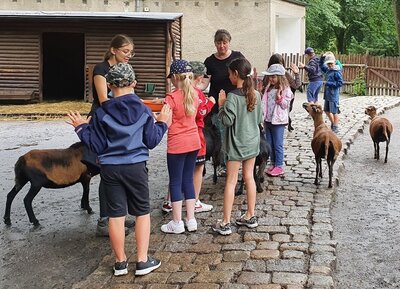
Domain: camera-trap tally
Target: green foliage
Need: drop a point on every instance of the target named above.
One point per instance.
(321, 18)
(359, 85)
(352, 26)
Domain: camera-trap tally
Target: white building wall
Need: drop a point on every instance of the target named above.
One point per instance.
(252, 23)
(288, 35)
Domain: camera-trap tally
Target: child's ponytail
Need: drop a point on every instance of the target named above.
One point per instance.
(188, 92)
(248, 90)
(243, 68)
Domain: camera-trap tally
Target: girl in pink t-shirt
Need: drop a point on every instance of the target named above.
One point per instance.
(182, 147)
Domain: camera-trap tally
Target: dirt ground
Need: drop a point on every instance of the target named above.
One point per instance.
(64, 249)
(366, 215)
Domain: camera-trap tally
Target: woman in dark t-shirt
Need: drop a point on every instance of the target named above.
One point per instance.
(121, 49)
(217, 67)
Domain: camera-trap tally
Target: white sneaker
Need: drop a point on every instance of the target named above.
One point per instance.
(201, 207)
(191, 225)
(173, 228)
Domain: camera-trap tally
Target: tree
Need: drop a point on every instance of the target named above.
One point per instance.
(396, 8)
(356, 26)
(321, 18)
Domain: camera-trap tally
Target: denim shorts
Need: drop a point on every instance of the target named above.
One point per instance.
(331, 106)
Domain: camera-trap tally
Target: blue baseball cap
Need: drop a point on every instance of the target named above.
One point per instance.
(179, 66)
(309, 50)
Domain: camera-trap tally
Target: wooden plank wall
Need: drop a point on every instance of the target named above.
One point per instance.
(19, 65)
(20, 50)
(150, 51)
(380, 74)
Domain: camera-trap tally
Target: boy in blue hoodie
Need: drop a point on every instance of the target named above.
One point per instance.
(121, 134)
(334, 81)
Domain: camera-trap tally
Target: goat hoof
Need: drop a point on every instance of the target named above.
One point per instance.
(7, 221)
(36, 223)
(90, 211)
(238, 193)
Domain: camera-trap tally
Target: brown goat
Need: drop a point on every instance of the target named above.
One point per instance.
(52, 168)
(325, 144)
(380, 130)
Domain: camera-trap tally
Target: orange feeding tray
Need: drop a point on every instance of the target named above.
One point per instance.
(154, 105)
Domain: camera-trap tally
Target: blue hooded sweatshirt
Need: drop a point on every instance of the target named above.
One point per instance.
(122, 131)
(334, 81)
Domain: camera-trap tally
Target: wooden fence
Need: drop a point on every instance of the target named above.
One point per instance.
(378, 75)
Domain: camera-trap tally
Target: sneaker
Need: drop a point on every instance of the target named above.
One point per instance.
(191, 225)
(335, 128)
(120, 268)
(268, 171)
(250, 223)
(222, 172)
(173, 228)
(129, 223)
(167, 206)
(143, 268)
(276, 172)
(202, 207)
(102, 227)
(222, 229)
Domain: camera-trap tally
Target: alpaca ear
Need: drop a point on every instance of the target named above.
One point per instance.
(314, 107)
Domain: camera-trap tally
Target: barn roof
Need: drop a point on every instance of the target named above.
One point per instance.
(128, 16)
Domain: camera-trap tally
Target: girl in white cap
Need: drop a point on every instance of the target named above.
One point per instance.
(276, 101)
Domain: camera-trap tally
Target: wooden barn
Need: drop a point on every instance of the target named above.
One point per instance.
(50, 55)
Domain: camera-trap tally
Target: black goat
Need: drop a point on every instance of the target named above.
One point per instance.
(213, 145)
(52, 168)
(261, 163)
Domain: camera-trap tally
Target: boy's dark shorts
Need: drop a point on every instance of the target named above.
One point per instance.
(126, 189)
(331, 106)
(200, 160)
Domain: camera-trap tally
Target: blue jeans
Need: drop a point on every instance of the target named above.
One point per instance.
(312, 90)
(274, 135)
(180, 170)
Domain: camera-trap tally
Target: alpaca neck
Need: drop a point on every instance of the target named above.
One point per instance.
(318, 120)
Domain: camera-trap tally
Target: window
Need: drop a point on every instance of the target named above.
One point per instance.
(62, 1)
(216, 3)
(105, 2)
(84, 2)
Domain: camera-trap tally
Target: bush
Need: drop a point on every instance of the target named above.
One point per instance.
(359, 85)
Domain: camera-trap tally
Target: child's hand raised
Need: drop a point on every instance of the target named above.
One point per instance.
(76, 119)
(212, 99)
(221, 97)
(165, 115)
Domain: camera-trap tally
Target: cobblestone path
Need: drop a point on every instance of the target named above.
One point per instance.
(292, 248)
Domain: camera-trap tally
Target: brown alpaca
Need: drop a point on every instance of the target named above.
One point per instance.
(380, 130)
(325, 144)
